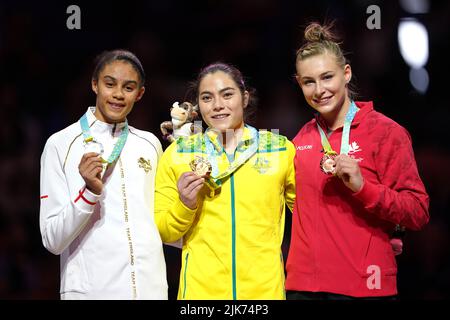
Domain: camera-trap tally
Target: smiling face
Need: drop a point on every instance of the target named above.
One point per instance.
(324, 83)
(221, 102)
(117, 89)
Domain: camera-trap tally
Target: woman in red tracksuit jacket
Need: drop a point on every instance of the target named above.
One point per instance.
(356, 179)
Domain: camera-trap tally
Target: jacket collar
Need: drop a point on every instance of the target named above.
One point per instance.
(214, 136)
(100, 126)
(364, 108)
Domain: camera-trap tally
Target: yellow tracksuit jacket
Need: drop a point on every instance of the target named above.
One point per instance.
(232, 241)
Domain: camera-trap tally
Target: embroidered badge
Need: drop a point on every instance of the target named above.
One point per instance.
(261, 165)
(145, 164)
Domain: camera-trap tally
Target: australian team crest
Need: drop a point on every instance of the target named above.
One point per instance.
(261, 165)
(145, 164)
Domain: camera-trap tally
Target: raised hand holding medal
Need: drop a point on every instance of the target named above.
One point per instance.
(343, 166)
(189, 185)
(203, 168)
(90, 169)
(347, 169)
(91, 145)
(93, 165)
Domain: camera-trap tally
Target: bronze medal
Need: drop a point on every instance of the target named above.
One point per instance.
(201, 166)
(327, 164)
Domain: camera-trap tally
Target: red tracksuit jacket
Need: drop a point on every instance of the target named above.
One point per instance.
(340, 239)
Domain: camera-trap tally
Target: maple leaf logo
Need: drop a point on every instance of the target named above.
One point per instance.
(353, 148)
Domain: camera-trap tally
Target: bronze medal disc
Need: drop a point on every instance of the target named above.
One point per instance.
(327, 164)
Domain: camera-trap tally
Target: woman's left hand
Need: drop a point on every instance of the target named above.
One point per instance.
(347, 169)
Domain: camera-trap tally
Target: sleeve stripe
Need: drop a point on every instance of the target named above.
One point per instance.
(80, 195)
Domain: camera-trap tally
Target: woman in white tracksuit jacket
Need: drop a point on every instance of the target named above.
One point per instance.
(99, 215)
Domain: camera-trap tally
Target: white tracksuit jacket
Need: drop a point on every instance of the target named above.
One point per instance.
(109, 245)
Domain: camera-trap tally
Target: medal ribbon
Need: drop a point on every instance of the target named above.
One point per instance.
(345, 132)
(117, 147)
(215, 153)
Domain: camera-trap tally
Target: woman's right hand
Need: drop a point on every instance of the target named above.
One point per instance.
(90, 169)
(189, 185)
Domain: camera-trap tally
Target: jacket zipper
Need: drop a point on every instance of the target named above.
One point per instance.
(233, 237)
(113, 129)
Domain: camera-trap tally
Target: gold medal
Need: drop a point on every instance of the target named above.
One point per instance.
(201, 166)
(327, 164)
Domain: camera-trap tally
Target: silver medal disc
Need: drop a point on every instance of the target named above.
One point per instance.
(93, 146)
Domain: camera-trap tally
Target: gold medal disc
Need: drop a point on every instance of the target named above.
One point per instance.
(201, 166)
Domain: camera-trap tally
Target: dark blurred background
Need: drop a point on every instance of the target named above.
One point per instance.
(45, 72)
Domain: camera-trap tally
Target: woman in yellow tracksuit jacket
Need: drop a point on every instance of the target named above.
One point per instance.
(232, 221)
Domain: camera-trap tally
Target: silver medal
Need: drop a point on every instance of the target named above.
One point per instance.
(93, 146)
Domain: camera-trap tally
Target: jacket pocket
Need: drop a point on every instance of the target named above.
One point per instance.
(378, 258)
(75, 278)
